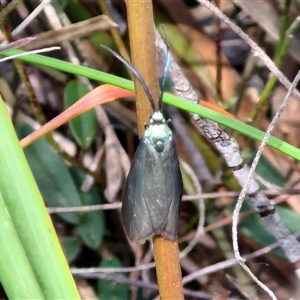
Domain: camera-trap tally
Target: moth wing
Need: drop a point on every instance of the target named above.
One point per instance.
(136, 219)
(152, 193)
(171, 195)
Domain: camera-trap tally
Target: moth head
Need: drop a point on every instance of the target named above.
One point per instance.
(157, 118)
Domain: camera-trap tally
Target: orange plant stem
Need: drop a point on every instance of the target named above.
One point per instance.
(168, 271)
(143, 55)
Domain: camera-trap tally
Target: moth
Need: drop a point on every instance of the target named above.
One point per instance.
(153, 188)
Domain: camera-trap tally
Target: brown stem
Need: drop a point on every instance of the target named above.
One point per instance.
(143, 55)
(168, 271)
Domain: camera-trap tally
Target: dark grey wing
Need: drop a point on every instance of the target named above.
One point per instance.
(136, 218)
(173, 193)
(152, 193)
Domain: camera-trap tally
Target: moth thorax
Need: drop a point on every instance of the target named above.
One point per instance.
(158, 133)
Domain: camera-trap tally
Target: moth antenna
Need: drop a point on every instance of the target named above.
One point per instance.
(163, 81)
(134, 72)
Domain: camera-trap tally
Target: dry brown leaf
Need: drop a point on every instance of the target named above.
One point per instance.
(113, 171)
(117, 162)
(224, 296)
(294, 202)
(85, 290)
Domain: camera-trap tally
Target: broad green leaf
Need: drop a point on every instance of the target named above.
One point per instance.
(82, 127)
(51, 174)
(289, 217)
(91, 224)
(62, 3)
(71, 247)
(253, 228)
(108, 289)
(267, 171)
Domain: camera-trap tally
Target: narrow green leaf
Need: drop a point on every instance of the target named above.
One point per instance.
(91, 225)
(109, 289)
(289, 217)
(51, 174)
(169, 99)
(30, 218)
(82, 127)
(14, 264)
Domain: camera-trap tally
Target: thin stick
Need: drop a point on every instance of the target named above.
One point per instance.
(29, 52)
(246, 186)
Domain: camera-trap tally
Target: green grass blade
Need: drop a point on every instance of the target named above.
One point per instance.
(14, 265)
(234, 124)
(30, 218)
(170, 99)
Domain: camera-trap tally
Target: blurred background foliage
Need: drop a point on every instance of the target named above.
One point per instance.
(88, 164)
